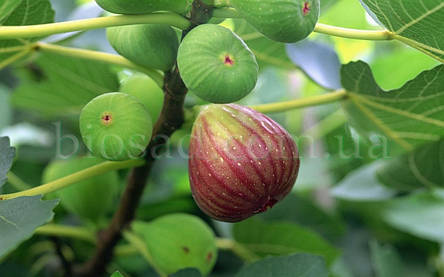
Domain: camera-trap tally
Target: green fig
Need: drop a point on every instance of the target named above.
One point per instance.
(147, 91)
(150, 45)
(145, 6)
(216, 65)
(90, 199)
(116, 126)
(280, 20)
(179, 241)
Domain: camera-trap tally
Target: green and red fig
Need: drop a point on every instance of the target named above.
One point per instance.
(280, 20)
(241, 162)
(216, 65)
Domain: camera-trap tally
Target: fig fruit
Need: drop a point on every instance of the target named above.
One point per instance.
(90, 199)
(280, 20)
(150, 45)
(216, 65)
(146, 91)
(179, 241)
(241, 162)
(145, 6)
(116, 126)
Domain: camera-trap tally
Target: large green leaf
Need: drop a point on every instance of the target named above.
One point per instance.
(7, 154)
(63, 85)
(281, 238)
(19, 218)
(299, 265)
(408, 117)
(416, 22)
(420, 215)
(7, 7)
(26, 13)
(422, 168)
(362, 185)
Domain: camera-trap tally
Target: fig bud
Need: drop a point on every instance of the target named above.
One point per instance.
(241, 162)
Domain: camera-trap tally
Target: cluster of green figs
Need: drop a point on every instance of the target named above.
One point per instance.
(241, 161)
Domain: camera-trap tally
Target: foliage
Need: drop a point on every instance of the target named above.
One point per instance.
(358, 85)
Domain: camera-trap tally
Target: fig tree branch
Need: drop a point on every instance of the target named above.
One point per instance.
(73, 178)
(301, 103)
(41, 30)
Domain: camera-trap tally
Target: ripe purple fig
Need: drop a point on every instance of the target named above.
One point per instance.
(241, 162)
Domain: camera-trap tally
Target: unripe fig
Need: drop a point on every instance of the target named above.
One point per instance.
(145, 6)
(241, 162)
(216, 64)
(179, 241)
(280, 20)
(116, 126)
(146, 91)
(90, 199)
(149, 45)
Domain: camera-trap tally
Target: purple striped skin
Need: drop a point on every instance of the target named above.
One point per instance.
(241, 162)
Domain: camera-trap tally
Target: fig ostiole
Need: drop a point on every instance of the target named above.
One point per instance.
(280, 20)
(241, 162)
(116, 126)
(150, 45)
(145, 6)
(81, 198)
(216, 65)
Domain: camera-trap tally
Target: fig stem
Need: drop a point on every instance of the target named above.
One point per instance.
(17, 182)
(41, 30)
(353, 33)
(74, 178)
(99, 56)
(301, 103)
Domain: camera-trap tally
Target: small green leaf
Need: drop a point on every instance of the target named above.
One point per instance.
(299, 265)
(407, 117)
(416, 22)
(7, 154)
(280, 238)
(19, 218)
(61, 86)
(419, 214)
(362, 185)
(422, 168)
(117, 274)
(7, 7)
(386, 260)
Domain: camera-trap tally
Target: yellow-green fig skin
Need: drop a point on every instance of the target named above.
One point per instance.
(145, 6)
(90, 199)
(147, 91)
(216, 65)
(149, 45)
(280, 20)
(179, 241)
(116, 126)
